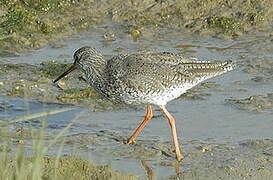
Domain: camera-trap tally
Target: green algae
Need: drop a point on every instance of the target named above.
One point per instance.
(15, 19)
(33, 23)
(225, 23)
(9, 67)
(227, 17)
(52, 69)
(76, 93)
(36, 82)
(16, 91)
(18, 160)
(70, 167)
(5, 148)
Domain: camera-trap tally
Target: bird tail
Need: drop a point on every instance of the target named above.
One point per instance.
(228, 66)
(203, 70)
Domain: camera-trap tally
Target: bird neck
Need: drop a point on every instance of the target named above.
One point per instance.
(95, 73)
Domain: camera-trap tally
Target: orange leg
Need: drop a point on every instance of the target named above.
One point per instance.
(148, 117)
(171, 120)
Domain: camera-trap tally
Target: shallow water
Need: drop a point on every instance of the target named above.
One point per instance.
(211, 120)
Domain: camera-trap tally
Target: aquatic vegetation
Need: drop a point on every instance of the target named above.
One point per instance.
(69, 168)
(33, 23)
(224, 23)
(52, 69)
(76, 93)
(35, 82)
(9, 67)
(217, 17)
(23, 154)
(17, 91)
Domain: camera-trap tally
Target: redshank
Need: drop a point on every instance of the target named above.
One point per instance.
(150, 78)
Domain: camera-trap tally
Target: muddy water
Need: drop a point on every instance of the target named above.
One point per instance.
(220, 124)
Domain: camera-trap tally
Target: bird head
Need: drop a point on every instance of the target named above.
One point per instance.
(83, 57)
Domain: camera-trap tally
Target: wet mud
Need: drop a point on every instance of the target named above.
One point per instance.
(70, 167)
(221, 137)
(204, 159)
(257, 103)
(224, 124)
(24, 80)
(251, 159)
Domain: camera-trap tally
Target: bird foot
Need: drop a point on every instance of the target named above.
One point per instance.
(130, 141)
(179, 158)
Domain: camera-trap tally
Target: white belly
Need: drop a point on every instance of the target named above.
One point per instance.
(158, 98)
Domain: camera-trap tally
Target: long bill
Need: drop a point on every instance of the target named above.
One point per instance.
(72, 68)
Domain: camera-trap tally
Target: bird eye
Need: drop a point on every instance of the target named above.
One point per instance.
(76, 58)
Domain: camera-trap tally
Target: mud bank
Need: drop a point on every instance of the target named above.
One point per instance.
(70, 167)
(24, 80)
(33, 24)
(204, 159)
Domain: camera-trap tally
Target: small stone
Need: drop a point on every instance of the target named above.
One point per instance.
(135, 34)
(21, 141)
(205, 148)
